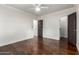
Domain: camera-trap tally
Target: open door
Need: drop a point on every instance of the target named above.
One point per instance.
(72, 29)
(40, 28)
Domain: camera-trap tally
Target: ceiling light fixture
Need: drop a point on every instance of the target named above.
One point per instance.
(37, 9)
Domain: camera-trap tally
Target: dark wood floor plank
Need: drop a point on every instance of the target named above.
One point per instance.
(39, 46)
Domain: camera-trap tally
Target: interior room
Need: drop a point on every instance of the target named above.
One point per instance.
(39, 29)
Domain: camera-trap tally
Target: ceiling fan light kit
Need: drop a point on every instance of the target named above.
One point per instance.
(37, 9)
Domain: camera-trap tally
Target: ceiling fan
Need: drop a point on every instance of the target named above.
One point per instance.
(38, 7)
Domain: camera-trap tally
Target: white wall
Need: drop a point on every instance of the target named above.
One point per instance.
(15, 25)
(64, 26)
(35, 27)
(77, 9)
(51, 23)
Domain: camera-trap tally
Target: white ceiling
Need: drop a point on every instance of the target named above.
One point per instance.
(51, 8)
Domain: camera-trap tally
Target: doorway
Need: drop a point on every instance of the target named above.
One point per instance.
(68, 29)
(38, 28)
(72, 29)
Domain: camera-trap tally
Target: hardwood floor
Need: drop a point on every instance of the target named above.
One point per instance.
(39, 46)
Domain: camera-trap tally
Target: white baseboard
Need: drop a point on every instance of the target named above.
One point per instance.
(7, 43)
(51, 37)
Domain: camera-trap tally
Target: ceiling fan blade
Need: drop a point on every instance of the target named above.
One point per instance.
(32, 8)
(43, 7)
(36, 5)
